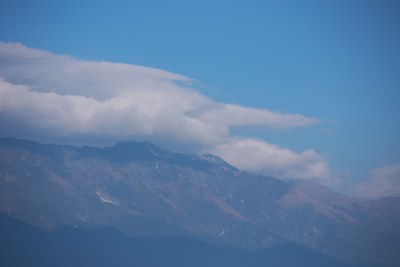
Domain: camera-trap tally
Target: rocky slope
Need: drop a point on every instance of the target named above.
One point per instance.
(145, 191)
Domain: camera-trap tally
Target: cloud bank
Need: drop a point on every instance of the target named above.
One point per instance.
(382, 182)
(257, 155)
(51, 96)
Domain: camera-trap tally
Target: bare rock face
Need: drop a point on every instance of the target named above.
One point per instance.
(145, 191)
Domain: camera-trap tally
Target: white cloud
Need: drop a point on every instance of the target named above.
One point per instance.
(61, 96)
(257, 155)
(382, 182)
(234, 115)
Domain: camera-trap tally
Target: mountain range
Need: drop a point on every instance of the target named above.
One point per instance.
(137, 195)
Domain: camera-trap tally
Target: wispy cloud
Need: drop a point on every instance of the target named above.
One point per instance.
(60, 96)
(382, 182)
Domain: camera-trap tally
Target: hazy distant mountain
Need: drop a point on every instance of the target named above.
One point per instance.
(25, 245)
(144, 191)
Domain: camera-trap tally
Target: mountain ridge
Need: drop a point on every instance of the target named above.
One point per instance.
(143, 190)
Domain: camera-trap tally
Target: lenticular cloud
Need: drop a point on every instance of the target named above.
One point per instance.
(57, 97)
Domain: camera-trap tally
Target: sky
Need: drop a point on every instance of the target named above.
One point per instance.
(294, 89)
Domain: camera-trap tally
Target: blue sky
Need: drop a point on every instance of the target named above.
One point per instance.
(336, 61)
